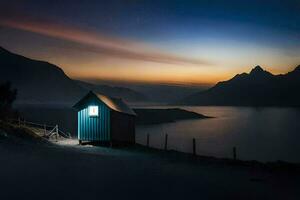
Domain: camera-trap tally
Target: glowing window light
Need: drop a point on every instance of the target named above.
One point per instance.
(93, 111)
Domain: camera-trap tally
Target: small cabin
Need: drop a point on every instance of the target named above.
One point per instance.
(104, 119)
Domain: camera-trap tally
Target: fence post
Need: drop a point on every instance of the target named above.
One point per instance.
(19, 122)
(234, 153)
(194, 146)
(24, 122)
(148, 138)
(45, 131)
(166, 142)
(56, 133)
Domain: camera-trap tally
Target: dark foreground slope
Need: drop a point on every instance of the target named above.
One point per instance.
(258, 88)
(42, 171)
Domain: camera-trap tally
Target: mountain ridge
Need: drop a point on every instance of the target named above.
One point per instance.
(41, 82)
(126, 94)
(257, 88)
(37, 81)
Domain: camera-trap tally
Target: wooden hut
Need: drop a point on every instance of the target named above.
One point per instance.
(105, 119)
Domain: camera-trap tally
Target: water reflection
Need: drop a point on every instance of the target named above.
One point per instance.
(265, 134)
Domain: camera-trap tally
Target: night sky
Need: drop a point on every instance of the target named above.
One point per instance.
(174, 42)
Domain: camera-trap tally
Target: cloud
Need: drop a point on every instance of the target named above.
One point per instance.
(97, 42)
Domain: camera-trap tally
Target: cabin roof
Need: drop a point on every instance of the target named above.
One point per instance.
(115, 104)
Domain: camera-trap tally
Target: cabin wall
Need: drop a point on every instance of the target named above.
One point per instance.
(122, 127)
(94, 128)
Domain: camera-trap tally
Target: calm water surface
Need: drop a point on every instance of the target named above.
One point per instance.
(264, 134)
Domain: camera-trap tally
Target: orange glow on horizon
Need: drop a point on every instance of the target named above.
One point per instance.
(154, 75)
(89, 55)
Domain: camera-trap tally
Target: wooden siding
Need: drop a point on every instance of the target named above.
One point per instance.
(94, 128)
(122, 127)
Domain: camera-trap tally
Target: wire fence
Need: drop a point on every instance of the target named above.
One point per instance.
(195, 146)
(44, 130)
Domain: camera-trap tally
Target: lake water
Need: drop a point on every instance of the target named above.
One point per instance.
(264, 134)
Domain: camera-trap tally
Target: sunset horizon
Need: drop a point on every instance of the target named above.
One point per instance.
(190, 48)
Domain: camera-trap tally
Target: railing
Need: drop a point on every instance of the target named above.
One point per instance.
(48, 130)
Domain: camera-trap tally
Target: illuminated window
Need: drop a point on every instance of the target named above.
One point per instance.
(93, 111)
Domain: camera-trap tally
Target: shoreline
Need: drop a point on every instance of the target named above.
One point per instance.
(152, 116)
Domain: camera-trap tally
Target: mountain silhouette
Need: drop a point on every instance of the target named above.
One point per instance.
(257, 88)
(42, 82)
(126, 94)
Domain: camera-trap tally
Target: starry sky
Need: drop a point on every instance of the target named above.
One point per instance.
(188, 42)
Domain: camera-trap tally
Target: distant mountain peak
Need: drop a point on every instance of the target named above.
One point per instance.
(257, 69)
(259, 88)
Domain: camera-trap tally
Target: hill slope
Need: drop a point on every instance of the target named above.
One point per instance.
(37, 81)
(44, 83)
(258, 88)
(126, 94)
